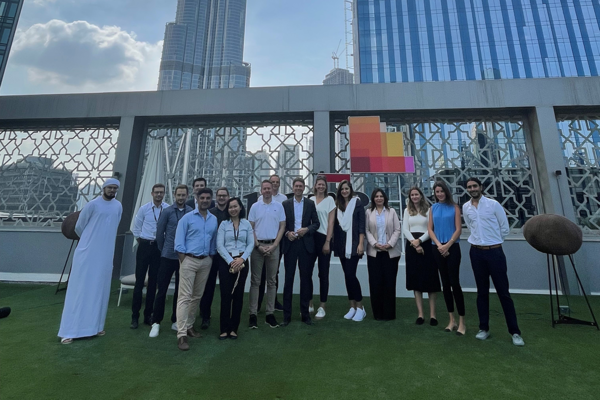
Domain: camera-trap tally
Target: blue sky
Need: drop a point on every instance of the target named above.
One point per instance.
(67, 46)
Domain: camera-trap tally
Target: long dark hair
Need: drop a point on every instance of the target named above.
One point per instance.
(385, 198)
(242, 209)
(449, 200)
(423, 203)
(339, 199)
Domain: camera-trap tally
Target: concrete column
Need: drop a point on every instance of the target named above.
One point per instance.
(128, 169)
(322, 142)
(548, 161)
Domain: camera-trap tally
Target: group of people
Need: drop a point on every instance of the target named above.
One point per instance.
(201, 239)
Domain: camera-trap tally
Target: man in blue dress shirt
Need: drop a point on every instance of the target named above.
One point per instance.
(196, 244)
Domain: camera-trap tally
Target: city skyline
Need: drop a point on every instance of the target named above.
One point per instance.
(112, 47)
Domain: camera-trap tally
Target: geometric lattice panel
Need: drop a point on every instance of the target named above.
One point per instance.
(580, 140)
(491, 149)
(46, 174)
(238, 156)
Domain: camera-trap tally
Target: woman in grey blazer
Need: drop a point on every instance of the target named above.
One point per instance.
(383, 255)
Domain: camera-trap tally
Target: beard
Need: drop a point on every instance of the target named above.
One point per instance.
(108, 196)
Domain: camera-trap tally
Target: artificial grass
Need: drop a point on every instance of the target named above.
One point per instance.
(335, 359)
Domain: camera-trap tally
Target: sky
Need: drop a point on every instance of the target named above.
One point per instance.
(80, 46)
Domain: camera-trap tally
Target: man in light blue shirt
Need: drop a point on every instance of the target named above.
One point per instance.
(196, 244)
(147, 259)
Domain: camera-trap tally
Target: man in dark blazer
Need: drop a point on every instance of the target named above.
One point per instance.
(197, 184)
(301, 222)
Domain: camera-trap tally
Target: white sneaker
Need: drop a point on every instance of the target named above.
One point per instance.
(482, 335)
(174, 326)
(350, 314)
(320, 313)
(311, 309)
(154, 331)
(518, 340)
(360, 315)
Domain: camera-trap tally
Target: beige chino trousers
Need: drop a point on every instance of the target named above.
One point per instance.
(193, 274)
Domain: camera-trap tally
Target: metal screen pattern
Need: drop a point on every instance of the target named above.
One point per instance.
(46, 174)
(491, 149)
(237, 157)
(580, 140)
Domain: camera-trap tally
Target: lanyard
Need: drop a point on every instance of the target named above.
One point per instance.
(159, 214)
(236, 233)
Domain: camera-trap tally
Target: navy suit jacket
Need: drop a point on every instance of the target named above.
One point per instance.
(310, 220)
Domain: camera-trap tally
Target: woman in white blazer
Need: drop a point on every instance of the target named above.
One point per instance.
(383, 254)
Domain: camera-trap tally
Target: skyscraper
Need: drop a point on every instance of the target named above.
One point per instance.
(339, 76)
(204, 47)
(448, 40)
(9, 16)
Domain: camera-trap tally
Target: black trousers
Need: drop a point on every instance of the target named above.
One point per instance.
(147, 260)
(209, 289)
(324, 264)
(263, 281)
(165, 273)
(297, 254)
(350, 265)
(383, 272)
(449, 268)
(231, 304)
(492, 264)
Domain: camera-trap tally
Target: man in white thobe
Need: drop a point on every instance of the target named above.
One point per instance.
(86, 302)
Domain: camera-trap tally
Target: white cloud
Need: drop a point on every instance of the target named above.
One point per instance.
(61, 57)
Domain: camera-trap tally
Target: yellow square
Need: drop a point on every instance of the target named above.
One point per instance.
(394, 143)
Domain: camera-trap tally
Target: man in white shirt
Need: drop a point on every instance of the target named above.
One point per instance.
(280, 198)
(268, 221)
(147, 258)
(486, 219)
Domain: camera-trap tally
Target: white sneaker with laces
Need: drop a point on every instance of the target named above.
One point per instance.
(518, 340)
(311, 309)
(155, 330)
(320, 313)
(360, 315)
(350, 314)
(482, 335)
(174, 326)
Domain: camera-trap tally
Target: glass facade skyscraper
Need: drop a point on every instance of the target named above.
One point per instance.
(448, 40)
(9, 16)
(204, 47)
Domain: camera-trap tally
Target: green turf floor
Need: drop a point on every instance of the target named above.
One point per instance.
(335, 359)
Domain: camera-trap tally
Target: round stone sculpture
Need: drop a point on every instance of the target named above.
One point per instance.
(553, 234)
(68, 226)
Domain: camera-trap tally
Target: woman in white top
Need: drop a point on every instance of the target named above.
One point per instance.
(383, 254)
(326, 212)
(235, 242)
(421, 268)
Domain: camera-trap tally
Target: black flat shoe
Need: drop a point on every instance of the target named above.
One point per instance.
(459, 333)
(433, 322)
(224, 337)
(420, 321)
(233, 337)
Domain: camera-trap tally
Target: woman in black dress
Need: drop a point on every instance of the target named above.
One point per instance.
(421, 268)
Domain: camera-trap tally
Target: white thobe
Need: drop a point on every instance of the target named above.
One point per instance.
(86, 302)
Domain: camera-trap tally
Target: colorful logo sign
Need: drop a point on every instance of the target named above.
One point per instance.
(374, 149)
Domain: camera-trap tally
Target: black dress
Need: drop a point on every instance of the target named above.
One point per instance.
(421, 269)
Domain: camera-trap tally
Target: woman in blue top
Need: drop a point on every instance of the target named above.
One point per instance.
(235, 242)
(444, 229)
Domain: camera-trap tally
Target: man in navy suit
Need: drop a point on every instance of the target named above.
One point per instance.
(301, 222)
